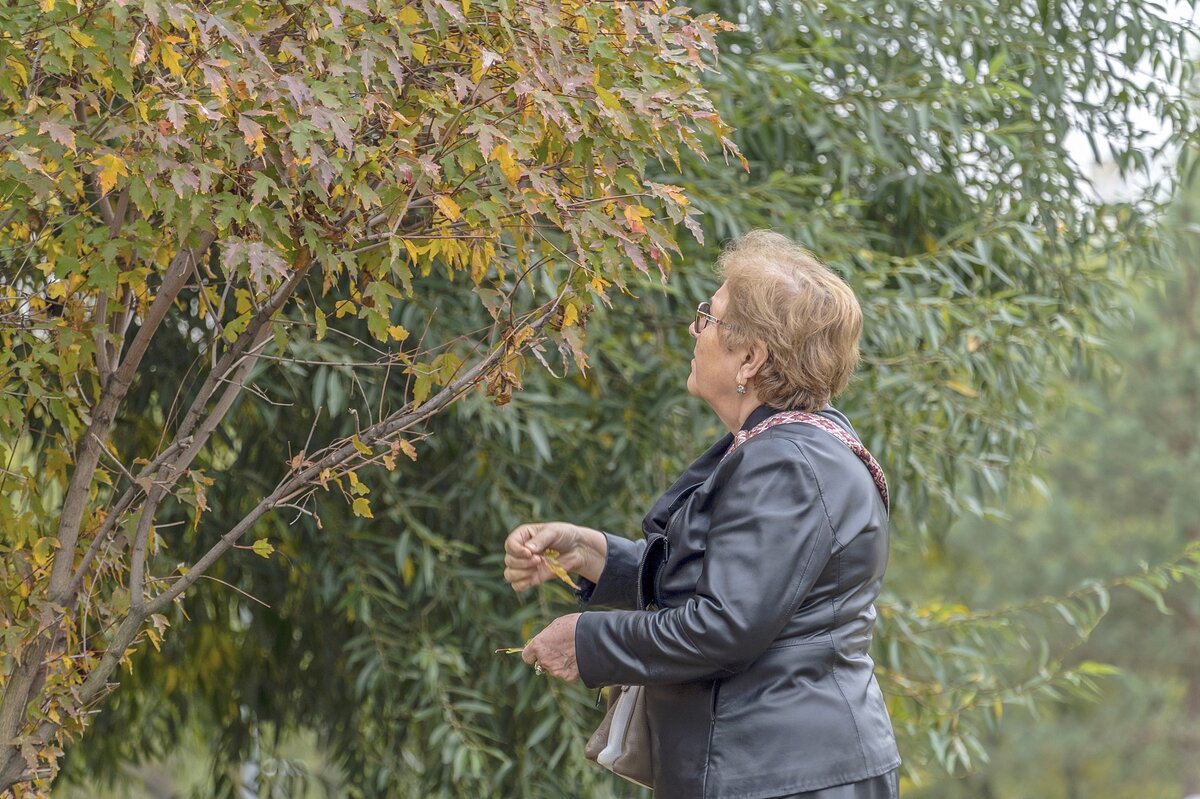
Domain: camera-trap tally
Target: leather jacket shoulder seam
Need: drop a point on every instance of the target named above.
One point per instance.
(816, 482)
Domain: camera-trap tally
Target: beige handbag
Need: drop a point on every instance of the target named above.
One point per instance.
(621, 743)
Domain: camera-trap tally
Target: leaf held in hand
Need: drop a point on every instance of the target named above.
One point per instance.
(550, 556)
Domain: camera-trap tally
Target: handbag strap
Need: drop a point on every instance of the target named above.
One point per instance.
(833, 428)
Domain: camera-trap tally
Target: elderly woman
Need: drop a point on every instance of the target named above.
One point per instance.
(747, 610)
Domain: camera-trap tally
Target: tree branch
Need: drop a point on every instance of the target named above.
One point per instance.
(340, 454)
(177, 467)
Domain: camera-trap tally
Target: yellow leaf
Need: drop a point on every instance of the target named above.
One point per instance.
(570, 315)
(522, 335)
(47, 6)
(410, 16)
(420, 52)
(321, 326)
(359, 445)
(448, 207)
(466, 4)
(550, 557)
(407, 570)
(508, 164)
(389, 463)
(397, 332)
(42, 550)
(608, 98)
(634, 218)
(362, 507)
(170, 58)
(82, 39)
(262, 547)
(111, 167)
(962, 388)
(408, 449)
(19, 68)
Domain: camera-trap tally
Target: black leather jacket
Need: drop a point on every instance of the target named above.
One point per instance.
(748, 611)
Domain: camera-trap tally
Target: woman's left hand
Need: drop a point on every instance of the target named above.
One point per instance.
(554, 648)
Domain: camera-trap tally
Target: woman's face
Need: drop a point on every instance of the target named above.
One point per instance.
(714, 369)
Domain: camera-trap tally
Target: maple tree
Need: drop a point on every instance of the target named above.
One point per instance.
(247, 179)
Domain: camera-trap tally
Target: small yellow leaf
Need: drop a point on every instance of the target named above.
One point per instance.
(360, 446)
(962, 388)
(321, 327)
(608, 98)
(508, 164)
(170, 58)
(420, 52)
(570, 315)
(362, 507)
(42, 550)
(19, 68)
(47, 6)
(111, 167)
(448, 207)
(410, 16)
(550, 557)
(397, 332)
(634, 220)
(82, 39)
(262, 547)
(522, 335)
(389, 463)
(407, 570)
(408, 449)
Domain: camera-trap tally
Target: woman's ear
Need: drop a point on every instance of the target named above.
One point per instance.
(756, 356)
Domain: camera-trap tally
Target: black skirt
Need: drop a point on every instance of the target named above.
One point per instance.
(885, 786)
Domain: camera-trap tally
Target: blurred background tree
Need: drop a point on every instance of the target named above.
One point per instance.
(1122, 486)
(919, 148)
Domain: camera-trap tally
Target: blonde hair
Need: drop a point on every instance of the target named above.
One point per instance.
(807, 317)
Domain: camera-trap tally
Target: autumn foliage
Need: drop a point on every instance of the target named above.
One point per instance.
(249, 177)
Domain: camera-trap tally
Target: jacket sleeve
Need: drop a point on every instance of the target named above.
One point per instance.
(768, 541)
(618, 583)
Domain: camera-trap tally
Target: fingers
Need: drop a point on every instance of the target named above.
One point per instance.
(521, 566)
(554, 650)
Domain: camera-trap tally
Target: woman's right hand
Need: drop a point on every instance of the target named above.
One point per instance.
(580, 550)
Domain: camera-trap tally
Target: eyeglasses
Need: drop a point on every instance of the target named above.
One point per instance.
(704, 317)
